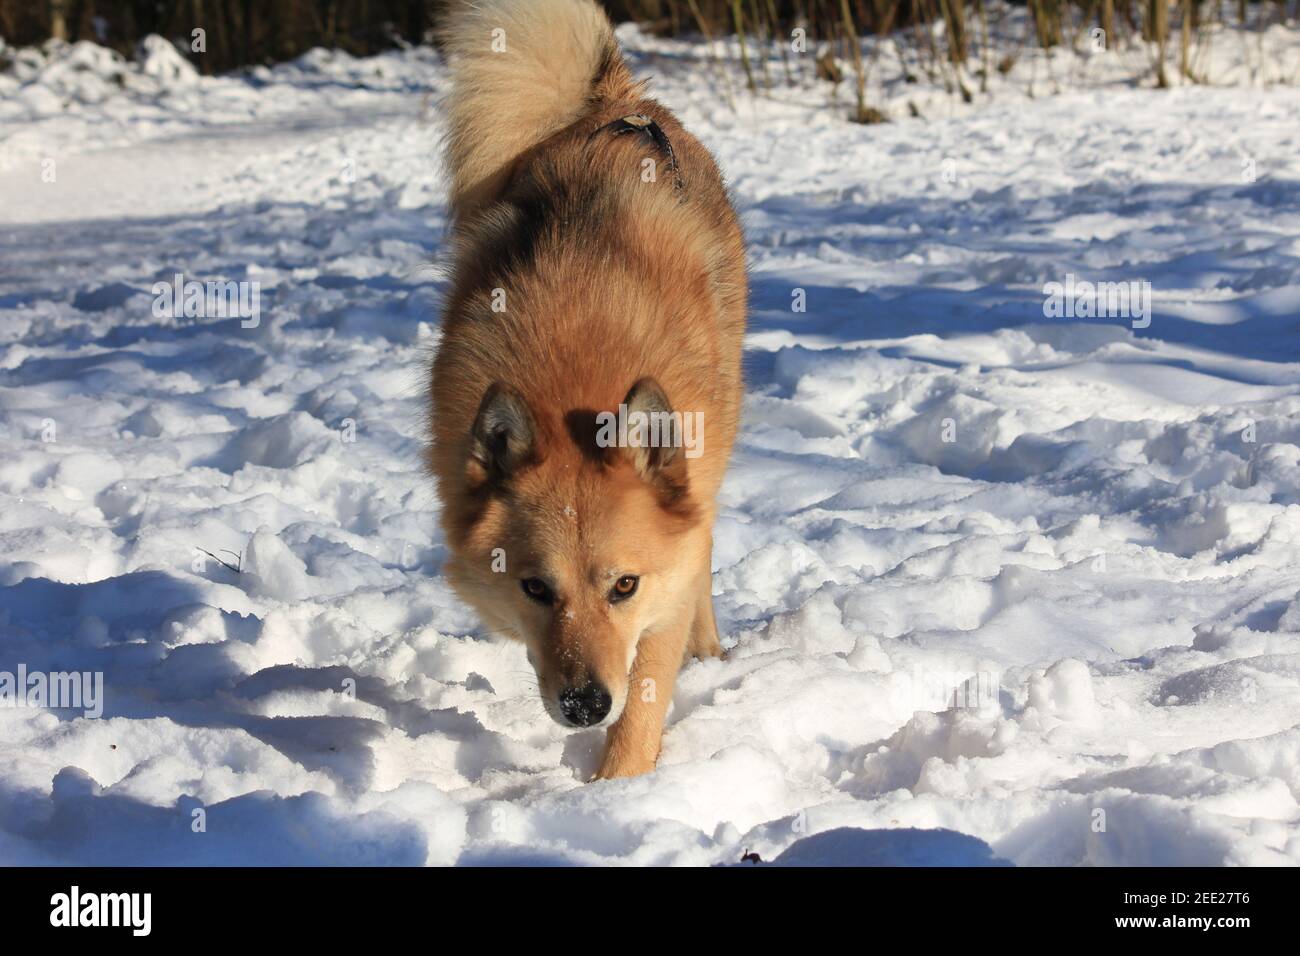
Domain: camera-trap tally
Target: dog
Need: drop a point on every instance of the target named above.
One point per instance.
(595, 314)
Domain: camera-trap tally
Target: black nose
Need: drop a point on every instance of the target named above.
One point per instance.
(585, 705)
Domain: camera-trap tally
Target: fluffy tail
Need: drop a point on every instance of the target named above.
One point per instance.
(521, 70)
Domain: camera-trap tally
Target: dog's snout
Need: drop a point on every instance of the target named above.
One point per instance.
(585, 705)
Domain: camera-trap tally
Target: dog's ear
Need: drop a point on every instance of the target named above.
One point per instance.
(662, 465)
(503, 439)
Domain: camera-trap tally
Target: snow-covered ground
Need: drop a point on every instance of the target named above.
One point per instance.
(1030, 581)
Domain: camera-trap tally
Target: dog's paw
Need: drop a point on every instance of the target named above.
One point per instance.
(710, 651)
(619, 764)
(613, 771)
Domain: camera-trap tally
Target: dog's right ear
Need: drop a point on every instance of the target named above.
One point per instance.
(663, 466)
(503, 438)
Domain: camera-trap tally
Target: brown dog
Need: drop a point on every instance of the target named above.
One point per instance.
(587, 386)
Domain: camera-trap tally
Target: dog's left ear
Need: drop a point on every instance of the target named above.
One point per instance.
(503, 438)
(662, 465)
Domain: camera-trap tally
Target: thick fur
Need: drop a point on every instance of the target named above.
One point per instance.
(523, 71)
(588, 258)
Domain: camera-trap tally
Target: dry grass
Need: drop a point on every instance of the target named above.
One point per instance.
(949, 40)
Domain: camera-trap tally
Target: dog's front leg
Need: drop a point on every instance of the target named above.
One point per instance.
(632, 743)
(704, 631)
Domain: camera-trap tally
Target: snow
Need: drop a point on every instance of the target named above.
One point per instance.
(995, 586)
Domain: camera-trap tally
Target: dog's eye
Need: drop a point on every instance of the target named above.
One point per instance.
(624, 588)
(536, 589)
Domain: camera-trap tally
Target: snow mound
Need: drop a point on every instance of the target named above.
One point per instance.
(849, 847)
(163, 62)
